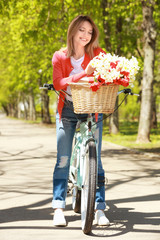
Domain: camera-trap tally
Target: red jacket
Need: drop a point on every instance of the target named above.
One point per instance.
(61, 70)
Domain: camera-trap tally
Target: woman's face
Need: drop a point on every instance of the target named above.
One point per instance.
(83, 34)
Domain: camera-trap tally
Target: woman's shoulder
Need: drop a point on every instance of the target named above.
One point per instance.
(60, 54)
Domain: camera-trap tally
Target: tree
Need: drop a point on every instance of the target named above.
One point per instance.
(121, 34)
(149, 29)
(31, 31)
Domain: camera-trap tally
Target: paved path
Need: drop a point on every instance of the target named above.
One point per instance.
(27, 158)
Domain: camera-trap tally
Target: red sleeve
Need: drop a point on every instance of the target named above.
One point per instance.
(59, 81)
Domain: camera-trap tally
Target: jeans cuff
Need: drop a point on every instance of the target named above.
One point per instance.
(100, 205)
(58, 204)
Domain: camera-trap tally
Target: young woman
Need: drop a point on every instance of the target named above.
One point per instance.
(70, 65)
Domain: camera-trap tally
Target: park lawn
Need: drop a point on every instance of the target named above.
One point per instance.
(128, 135)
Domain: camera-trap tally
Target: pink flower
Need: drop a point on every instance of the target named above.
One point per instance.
(124, 82)
(124, 73)
(95, 86)
(101, 80)
(114, 64)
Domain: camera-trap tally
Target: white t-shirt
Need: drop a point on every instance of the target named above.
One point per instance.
(77, 68)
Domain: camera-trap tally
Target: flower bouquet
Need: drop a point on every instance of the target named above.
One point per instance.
(112, 69)
(110, 72)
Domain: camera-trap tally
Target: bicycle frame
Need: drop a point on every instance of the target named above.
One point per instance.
(84, 135)
(84, 166)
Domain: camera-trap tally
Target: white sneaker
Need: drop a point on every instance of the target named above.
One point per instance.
(101, 219)
(59, 219)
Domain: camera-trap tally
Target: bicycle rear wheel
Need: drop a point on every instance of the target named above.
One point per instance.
(88, 191)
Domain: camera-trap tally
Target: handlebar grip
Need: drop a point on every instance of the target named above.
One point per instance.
(48, 86)
(127, 91)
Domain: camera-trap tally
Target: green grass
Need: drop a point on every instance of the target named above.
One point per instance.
(128, 135)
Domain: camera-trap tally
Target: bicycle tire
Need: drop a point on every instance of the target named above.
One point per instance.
(88, 192)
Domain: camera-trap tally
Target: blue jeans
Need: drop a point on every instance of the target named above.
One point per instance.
(65, 132)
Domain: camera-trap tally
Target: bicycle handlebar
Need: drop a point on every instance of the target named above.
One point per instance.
(125, 91)
(48, 86)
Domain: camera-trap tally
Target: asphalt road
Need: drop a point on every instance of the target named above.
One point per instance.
(27, 159)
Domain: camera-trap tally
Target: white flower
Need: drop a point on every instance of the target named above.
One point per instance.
(113, 68)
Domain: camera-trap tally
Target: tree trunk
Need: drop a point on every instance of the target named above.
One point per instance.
(32, 110)
(154, 114)
(147, 82)
(113, 122)
(19, 105)
(13, 110)
(25, 104)
(114, 119)
(106, 26)
(5, 108)
(45, 107)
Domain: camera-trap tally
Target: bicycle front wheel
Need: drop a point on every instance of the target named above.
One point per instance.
(88, 191)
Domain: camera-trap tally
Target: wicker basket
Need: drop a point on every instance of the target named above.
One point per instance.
(87, 101)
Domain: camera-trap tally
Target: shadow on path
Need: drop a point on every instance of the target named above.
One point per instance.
(123, 220)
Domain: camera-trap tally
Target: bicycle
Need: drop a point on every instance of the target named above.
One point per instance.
(83, 167)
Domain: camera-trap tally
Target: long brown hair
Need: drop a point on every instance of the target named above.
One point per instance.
(73, 28)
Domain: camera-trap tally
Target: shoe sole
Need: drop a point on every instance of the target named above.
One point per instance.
(60, 224)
